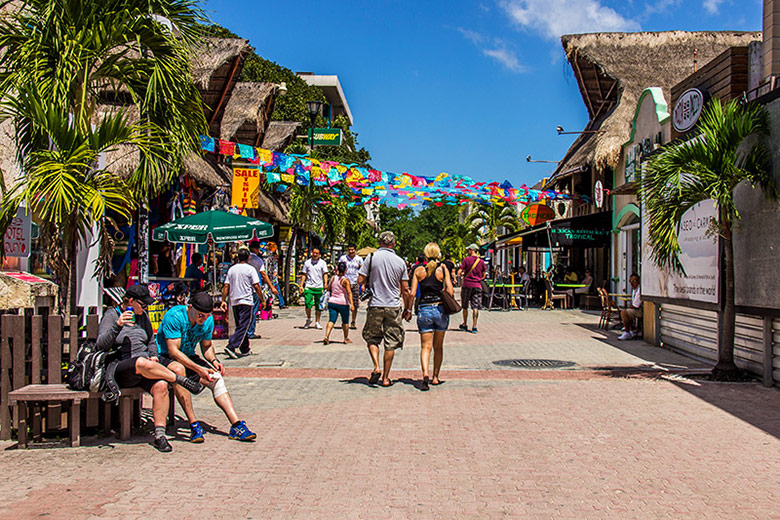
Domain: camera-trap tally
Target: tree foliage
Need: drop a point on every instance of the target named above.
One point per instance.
(413, 230)
(486, 219)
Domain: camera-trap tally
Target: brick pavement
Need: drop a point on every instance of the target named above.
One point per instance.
(489, 443)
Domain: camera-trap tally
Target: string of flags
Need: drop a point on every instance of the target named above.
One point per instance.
(365, 185)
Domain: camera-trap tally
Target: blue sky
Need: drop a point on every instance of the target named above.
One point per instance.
(458, 86)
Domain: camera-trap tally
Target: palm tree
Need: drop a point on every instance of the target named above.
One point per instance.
(728, 152)
(487, 218)
(456, 238)
(71, 74)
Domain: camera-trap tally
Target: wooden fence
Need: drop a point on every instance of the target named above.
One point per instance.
(34, 350)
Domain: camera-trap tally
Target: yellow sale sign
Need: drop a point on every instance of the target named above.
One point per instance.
(246, 185)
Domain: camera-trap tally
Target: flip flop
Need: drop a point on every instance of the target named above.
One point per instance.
(326, 341)
(374, 379)
(437, 384)
(388, 385)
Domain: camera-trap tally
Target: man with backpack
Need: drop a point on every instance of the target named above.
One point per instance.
(183, 328)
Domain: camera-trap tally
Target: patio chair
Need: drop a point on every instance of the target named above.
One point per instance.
(522, 296)
(609, 309)
(553, 294)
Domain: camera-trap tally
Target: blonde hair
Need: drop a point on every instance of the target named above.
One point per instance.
(432, 252)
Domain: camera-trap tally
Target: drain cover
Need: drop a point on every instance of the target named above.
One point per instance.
(534, 363)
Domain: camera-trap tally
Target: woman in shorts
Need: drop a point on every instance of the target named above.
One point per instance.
(432, 321)
(340, 303)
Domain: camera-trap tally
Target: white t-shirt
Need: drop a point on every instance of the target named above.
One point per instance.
(353, 266)
(315, 273)
(636, 299)
(242, 277)
(387, 272)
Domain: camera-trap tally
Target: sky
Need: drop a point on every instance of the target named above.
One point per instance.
(464, 87)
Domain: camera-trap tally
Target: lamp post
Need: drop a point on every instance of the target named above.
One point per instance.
(314, 110)
(528, 158)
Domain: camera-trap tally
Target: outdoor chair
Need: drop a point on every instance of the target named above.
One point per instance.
(609, 309)
(553, 294)
(521, 298)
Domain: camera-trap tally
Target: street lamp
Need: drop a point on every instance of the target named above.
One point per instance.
(528, 158)
(560, 131)
(314, 110)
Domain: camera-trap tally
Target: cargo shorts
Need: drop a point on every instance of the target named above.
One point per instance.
(384, 324)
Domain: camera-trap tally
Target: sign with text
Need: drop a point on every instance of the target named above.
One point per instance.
(536, 214)
(18, 235)
(687, 110)
(246, 187)
(326, 136)
(698, 254)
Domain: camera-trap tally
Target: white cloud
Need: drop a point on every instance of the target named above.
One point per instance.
(505, 58)
(712, 6)
(495, 48)
(553, 18)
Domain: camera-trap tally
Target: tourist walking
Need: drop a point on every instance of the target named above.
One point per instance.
(256, 261)
(340, 302)
(354, 263)
(314, 277)
(473, 271)
(384, 275)
(130, 332)
(242, 281)
(183, 328)
(432, 320)
(198, 278)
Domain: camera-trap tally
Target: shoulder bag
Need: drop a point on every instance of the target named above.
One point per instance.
(451, 305)
(368, 293)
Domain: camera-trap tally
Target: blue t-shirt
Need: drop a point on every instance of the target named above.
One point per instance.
(176, 325)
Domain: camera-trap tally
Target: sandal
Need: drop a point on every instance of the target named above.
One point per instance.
(391, 383)
(374, 379)
(326, 341)
(424, 385)
(347, 341)
(437, 384)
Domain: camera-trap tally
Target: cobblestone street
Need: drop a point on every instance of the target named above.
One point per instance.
(618, 434)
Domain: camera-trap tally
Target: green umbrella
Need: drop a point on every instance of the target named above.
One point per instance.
(220, 225)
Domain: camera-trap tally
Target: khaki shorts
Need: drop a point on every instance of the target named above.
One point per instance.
(384, 323)
(634, 313)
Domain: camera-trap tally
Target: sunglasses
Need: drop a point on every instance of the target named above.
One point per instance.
(202, 315)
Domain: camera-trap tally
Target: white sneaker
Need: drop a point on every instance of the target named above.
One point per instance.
(626, 335)
(317, 325)
(307, 324)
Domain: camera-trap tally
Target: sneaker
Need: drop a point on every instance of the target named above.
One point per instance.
(626, 335)
(307, 324)
(463, 326)
(232, 354)
(196, 432)
(317, 325)
(162, 445)
(474, 330)
(241, 432)
(245, 354)
(192, 384)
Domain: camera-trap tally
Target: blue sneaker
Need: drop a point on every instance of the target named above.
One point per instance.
(196, 432)
(241, 432)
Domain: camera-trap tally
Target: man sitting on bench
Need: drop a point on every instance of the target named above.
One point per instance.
(184, 327)
(130, 331)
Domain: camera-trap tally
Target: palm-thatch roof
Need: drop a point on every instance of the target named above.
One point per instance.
(248, 113)
(279, 135)
(216, 71)
(612, 70)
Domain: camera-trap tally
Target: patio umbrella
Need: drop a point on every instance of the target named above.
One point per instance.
(220, 226)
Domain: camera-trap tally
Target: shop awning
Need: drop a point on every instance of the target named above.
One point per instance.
(587, 231)
(511, 240)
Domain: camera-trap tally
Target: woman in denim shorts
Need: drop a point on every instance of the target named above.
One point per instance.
(432, 321)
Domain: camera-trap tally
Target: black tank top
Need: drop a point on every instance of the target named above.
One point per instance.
(430, 289)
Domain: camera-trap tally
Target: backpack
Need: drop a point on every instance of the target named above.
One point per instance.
(86, 372)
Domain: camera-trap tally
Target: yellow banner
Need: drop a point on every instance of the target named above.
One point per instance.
(246, 187)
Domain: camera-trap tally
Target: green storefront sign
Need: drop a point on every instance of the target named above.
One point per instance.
(327, 136)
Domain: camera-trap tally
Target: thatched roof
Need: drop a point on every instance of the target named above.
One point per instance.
(216, 71)
(124, 160)
(248, 113)
(279, 135)
(612, 70)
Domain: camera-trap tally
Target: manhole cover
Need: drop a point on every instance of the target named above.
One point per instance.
(533, 363)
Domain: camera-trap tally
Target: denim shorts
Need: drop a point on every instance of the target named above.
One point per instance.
(432, 318)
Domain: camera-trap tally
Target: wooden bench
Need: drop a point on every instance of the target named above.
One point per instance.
(61, 393)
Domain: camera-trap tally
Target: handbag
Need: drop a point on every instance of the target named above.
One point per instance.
(323, 304)
(451, 305)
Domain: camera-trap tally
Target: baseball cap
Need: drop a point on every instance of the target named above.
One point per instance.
(473, 247)
(202, 301)
(140, 292)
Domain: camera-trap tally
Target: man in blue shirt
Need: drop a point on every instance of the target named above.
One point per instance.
(182, 329)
